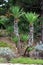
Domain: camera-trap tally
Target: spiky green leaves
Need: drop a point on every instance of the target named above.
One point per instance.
(31, 17)
(3, 19)
(17, 11)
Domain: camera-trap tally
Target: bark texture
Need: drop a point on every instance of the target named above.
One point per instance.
(16, 28)
(31, 35)
(16, 32)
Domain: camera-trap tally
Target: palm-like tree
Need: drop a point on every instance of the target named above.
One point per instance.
(31, 18)
(17, 13)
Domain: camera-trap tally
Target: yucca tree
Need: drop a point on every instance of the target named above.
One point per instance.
(31, 18)
(17, 13)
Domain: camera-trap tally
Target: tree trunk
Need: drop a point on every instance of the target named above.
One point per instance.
(42, 17)
(26, 51)
(31, 35)
(42, 28)
(31, 38)
(16, 32)
(16, 28)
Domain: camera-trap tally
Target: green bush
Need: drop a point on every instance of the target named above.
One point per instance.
(30, 49)
(24, 37)
(9, 30)
(23, 26)
(15, 39)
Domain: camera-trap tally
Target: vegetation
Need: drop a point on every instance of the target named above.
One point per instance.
(31, 18)
(4, 44)
(15, 39)
(3, 60)
(23, 60)
(17, 13)
(24, 37)
(21, 27)
(30, 49)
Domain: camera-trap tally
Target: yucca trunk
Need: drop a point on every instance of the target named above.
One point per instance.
(16, 28)
(16, 32)
(31, 35)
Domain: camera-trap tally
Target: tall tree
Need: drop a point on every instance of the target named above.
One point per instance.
(17, 13)
(31, 18)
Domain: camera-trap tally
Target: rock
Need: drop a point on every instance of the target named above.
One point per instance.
(7, 53)
(37, 52)
(39, 47)
(34, 54)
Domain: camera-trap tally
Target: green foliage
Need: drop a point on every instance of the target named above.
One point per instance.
(23, 60)
(31, 17)
(3, 60)
(2, 11)
(23, 26)
(24, 37)
(3, 19)
(3, 44)
(15, 39)
(30, 49)
(9, 29)
(17, 11)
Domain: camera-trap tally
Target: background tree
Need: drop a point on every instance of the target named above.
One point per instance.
(42, 17)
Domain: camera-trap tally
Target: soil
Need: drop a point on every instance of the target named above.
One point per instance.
(11, 43)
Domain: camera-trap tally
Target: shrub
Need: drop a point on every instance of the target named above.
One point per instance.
(9, 30)
(24, 37)
(30, 49)
(15, 39)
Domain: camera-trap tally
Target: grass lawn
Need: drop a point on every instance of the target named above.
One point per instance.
(26, 60)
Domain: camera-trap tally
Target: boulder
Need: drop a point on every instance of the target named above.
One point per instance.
(7, 53)
(37, 52)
